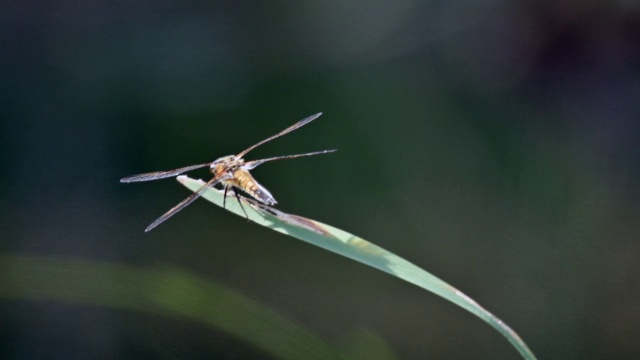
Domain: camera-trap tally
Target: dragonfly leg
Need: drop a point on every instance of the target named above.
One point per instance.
(239, 202)
(224, 198)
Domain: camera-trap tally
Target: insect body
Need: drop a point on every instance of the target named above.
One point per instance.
(232, 172)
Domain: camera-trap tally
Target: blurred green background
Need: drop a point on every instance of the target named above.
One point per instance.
(492, 143)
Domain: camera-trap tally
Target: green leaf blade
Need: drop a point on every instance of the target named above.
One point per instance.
(358, 249)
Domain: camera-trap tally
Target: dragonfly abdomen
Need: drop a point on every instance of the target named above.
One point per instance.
(249, 185)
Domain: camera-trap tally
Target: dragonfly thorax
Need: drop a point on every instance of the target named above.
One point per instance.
(226, 164)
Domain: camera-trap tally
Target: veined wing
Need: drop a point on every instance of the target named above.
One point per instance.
(300, 123)
(254, 163)
(191, 198)
(161, 174)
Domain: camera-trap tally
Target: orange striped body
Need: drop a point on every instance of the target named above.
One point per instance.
(243, 180)
(232, 173)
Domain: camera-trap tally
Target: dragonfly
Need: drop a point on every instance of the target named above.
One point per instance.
(231, 172)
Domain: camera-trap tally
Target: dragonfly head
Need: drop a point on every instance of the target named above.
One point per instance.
(225, 163)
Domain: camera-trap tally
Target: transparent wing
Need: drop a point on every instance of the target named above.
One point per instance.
(300, 123)
(161, 174)
(253, 164)
(191, 198)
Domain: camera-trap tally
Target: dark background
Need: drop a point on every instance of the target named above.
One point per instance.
(492, 143)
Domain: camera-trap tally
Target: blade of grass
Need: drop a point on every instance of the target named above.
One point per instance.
(353, 247)
(167, 291)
